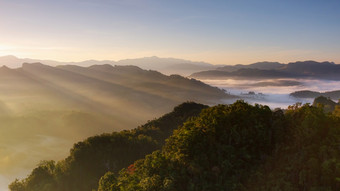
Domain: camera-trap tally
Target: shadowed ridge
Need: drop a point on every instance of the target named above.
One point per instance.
(301, 66)
(312, 62)
(258, 65)
(103, 67)
(4, 67)
(174, 87)
(5, 71)
(116, 89)
(313, 69)
(90, 87)
(335, 95)
(34, 64)
(127, 74)
(264, 70)
(12, 74)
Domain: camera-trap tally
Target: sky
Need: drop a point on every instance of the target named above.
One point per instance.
(214, 31)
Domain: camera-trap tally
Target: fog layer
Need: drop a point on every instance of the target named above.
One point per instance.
(273, 92)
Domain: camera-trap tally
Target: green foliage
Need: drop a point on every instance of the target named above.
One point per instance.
(215, 151)
(227, 147)
(336, 111)
(244, 147)
(41, 178)
(326, 103)
(90, 159)
(107, 182)
(17, 185)
(309, 159)
(162, 128)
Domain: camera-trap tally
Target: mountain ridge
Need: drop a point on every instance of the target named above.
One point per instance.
(335, 95)
(264, 70)
(164, 65)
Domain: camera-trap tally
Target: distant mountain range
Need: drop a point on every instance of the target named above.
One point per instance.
(335, 95)
(164, 65)
(203, 70)
(270, 70)
(106, 88)
(101, 96)
(257, 65)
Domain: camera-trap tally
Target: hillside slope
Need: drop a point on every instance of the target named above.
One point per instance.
(242, 147)
(226, 147)
(47, 109)
(93, 157)
(335, 95)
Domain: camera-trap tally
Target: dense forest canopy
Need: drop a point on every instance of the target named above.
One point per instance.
(225, 147)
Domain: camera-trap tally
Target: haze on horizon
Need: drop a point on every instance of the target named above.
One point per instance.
(218, 32)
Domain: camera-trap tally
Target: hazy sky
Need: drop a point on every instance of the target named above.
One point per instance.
(215, 31)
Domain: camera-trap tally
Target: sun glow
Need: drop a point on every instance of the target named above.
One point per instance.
(3, 48)
(6, 50)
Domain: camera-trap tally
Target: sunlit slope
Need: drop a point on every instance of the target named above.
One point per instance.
(123, 92)
(44, 109)
(98, 95)
(19, 91)
(173, 88)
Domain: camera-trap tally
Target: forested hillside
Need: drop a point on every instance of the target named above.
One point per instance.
(312, 94)
(327, 104)
(93, 157)
(227, 147)
(242, 147)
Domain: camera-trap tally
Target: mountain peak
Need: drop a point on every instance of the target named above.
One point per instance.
(9, 60)
(4, 68)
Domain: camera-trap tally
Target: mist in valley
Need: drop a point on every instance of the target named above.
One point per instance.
(273, 92)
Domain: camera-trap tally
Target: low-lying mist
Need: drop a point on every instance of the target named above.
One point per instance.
(28, 138)
(273, 92)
